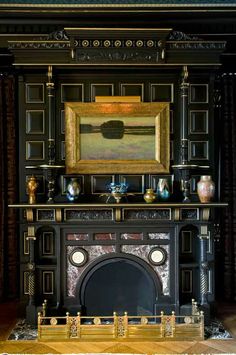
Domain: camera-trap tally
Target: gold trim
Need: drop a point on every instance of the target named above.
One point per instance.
(206, 214)
(190, 166)
(37, 41)
(26, 249)
(120, 328)
(118, 215)
(176, 214)
(58, 215)
(180, 205)
(45, 166)
(204, 232)
(160, 5)
(196, 41)
(31, 233)
(117, 98)
(120, 64)
(110, 29)
(29, 215)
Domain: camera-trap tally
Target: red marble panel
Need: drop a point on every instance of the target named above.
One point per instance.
(104, 236)
(77, 236)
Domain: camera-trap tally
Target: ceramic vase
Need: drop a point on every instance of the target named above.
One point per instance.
(73, 189)
(163, 190)
(205, 189)
(149, 196)
(32, 186)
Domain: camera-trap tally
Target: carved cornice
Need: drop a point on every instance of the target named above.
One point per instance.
(59, 35)
(181, 36)
(181, 40)
(117, 56)
(193, 45)
(118, 46)
(39, 44)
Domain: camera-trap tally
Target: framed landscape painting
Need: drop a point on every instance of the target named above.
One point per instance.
(117, 137)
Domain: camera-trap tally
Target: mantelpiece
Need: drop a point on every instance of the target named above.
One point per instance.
(113, 212)
(112, 236)
(76, 65)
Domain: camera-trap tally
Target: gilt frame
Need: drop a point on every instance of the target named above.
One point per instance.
(79, 115)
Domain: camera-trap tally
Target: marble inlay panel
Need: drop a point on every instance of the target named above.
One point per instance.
(158, 235)
(73, 273)
(104, 236)
(131, 236)
(77, 236)
(88, 215)
(162, 271)
(147, 214)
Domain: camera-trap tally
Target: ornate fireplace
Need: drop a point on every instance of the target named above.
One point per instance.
(120, 272)
(95, 257)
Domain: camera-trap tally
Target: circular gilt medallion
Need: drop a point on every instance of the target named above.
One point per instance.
(157, 256)
(78, 257)
(144, 320)
(187, 320)
(85, 43)
(53, 321)
(97, 321)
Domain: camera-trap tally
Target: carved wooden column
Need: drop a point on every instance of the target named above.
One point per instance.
(31, 308)
(184, 166)
(184, 88)
(51, 139)
(203, 264)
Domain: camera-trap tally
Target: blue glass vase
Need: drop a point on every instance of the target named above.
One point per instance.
(73, 190)
(163, 190)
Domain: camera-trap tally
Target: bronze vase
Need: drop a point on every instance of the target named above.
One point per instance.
(149, 196)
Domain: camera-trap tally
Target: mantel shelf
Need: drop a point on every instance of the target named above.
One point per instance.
(122, 205)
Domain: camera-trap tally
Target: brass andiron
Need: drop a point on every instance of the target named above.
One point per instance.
(32, 186)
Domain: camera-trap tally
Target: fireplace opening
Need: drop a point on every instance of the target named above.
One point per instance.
(119, 285)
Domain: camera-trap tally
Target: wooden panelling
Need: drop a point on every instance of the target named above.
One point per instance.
(34, 93)
(72, 92)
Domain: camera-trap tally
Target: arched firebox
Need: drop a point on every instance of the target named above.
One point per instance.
(119, 284)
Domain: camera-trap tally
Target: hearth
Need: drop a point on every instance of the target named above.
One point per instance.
(119, 284)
